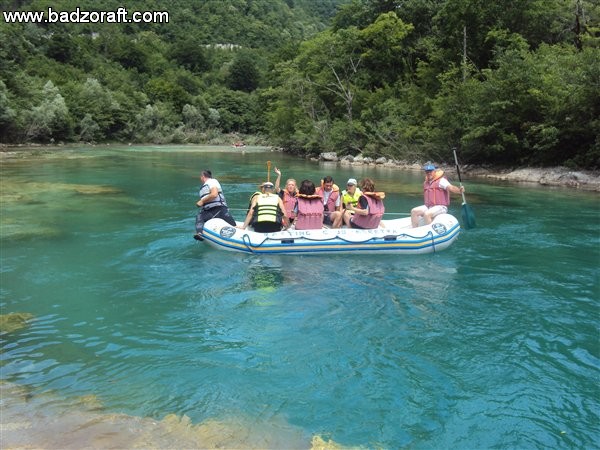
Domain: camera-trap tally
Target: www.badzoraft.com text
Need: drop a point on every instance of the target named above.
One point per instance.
(121, 15)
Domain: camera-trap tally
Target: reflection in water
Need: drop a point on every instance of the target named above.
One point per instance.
(265, 279)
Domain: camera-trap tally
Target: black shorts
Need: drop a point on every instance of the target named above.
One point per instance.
(353, 225)
(266, 227)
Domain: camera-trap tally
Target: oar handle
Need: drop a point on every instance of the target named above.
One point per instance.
(458, 172)
(457, 168)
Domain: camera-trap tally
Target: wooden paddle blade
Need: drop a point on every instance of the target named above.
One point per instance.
(468, 216)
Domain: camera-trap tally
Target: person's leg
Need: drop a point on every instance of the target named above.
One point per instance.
(336, 219)
(200, 220)
(347, 216)
(225, 215)
(416, 213)
(434, 211)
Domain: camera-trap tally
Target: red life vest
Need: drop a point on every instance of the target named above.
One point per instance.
(376, 210)
(433, 193)
(289, 202)
(310, 212)
(331, 201)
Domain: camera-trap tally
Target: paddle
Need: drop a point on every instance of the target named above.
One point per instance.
(468, 216)
(268, 171)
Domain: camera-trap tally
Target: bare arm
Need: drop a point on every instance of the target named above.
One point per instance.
(278, 180)
(250, 214)
(286, 221)
(213, 194)
(456, 189)
(359, 211)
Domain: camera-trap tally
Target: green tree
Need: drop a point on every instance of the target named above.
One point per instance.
(243, 73)
(384, 52)
(190, 54)
(94, 100)
(50, 120)
(89, 130)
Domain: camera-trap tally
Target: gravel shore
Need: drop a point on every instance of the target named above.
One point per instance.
(587, 180)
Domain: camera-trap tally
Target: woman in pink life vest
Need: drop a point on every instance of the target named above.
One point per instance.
(370, 208)
(288, 195)
(436, 192)
(309, 209)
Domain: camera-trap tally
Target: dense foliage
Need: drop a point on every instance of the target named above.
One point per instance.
(515, 82)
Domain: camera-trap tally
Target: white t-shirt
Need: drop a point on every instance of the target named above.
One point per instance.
(326, 195)
(444, 183)
(206, 188)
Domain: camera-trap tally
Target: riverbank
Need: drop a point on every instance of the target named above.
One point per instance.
(587, 180)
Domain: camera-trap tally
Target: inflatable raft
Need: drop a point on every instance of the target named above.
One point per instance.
(393, 236)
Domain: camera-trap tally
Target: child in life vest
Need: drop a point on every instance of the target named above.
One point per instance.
(370, 209)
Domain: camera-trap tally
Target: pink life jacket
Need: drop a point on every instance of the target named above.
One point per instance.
(289, 202)
(310, 213)
(376, 210)
(433, 193)
(335, 193)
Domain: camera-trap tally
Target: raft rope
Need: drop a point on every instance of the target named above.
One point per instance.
(249, 245)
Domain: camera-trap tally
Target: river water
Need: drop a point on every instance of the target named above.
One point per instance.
(132, 334)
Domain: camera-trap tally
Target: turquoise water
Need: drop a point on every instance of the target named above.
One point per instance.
(492, 343)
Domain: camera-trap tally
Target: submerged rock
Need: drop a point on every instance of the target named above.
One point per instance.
(14, 321)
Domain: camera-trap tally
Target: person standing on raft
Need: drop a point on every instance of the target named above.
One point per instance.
(212, 203)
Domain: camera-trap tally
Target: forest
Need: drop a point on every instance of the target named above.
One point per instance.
(511, 83)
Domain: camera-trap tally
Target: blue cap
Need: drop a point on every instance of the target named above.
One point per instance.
(428, 166)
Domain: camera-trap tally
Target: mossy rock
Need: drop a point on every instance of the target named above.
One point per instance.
(14, 321)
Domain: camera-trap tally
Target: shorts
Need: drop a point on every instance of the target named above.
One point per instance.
(437, 210)
(266, 227)
(353, 225)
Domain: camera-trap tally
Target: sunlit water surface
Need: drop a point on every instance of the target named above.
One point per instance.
(132, 334)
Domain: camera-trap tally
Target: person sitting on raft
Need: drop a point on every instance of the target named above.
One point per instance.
(370, 208)
(436, 192)
(288, 195)
(332, 202)
(309, 208)
(267, 213)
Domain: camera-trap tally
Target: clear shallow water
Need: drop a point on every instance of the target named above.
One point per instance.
(492, 343)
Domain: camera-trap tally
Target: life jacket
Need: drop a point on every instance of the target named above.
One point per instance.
(289, 202)
(252, 198)
(310, 212)
(218, 201)
(433, 193)
(267, 209)
(331, 201)
(348, 199)
(376, 210)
